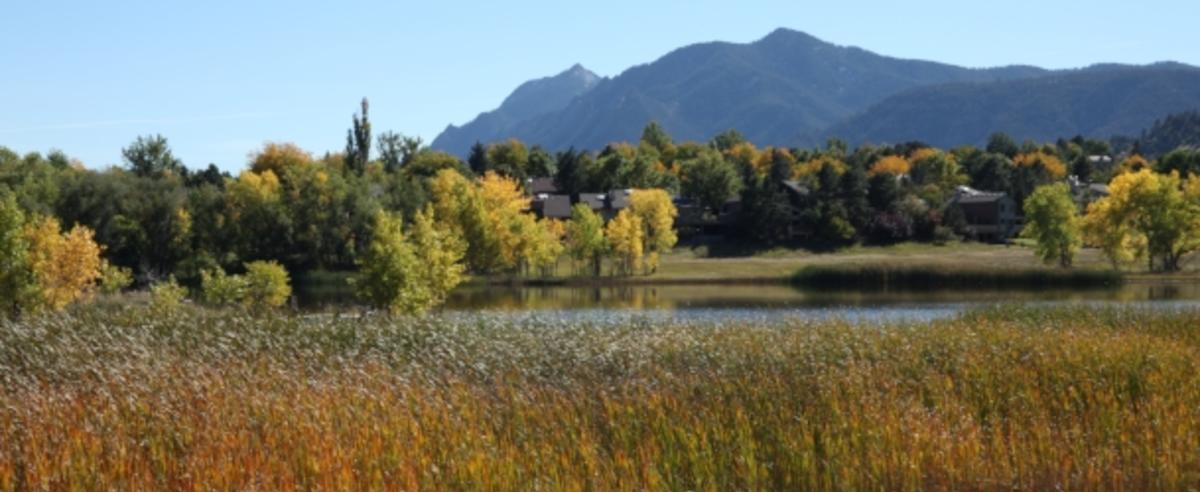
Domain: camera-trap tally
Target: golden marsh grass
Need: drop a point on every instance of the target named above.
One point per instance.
(111, 398)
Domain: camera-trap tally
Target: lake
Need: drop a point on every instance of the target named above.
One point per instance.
(759, 302)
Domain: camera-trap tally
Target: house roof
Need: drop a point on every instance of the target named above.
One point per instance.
(796, 187)
(619, 199)
(966, 194)
(541, 185)
(556, 207)
(982, 198)
(594, 200)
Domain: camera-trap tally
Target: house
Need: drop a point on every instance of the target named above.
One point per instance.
(594, 200)
(1085, 193)
(988, 215)
(558, 206)
(552, 206)
(1101, 164)
(693, 219)
(541, 186)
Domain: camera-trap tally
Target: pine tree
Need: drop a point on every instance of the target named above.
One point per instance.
(358, 141)
(478, 160)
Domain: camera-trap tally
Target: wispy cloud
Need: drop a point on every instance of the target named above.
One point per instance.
(139, 121)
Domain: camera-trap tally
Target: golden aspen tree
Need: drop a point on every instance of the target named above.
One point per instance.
(585, 237)
(65, 266)
(657, 214)
(626, 239)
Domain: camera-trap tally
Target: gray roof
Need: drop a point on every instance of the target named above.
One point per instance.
(796, 187)
(981, 198)
(556, 207)
(541, 185)
(594, 200)
(619, 199)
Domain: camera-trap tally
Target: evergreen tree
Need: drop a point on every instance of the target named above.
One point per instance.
(570, 173)
(477, 160)
(151, 157)
(358, 141)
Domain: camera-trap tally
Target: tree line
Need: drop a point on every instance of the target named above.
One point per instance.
(416, 220)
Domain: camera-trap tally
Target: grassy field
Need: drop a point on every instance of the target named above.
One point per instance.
(115, 397)
(782, 263)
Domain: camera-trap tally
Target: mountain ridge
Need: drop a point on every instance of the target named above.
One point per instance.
(782, 89)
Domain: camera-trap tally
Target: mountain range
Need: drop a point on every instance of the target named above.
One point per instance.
(790, 89)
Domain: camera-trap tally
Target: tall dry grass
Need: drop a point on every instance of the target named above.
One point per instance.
(1009, 398)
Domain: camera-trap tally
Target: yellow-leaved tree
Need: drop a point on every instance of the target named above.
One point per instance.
(279, 157)
(1149, 216)
(459, 210)
(657, 214)
(544, 246)
(585, 237)
(65, 266)
(626, 239)
(891, 164)
(508, 224)
(409, 272)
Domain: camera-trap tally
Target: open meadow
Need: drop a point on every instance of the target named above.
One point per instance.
(113, 396)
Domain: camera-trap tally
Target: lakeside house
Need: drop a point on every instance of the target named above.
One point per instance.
(1084, 193)
(989, 216)
(547, 201)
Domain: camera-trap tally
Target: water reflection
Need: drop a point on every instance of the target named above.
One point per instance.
(719, 303)
(692, 297)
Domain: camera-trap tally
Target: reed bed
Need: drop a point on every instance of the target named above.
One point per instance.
(1084, 399)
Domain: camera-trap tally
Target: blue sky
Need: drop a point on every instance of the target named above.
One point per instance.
(218, 78)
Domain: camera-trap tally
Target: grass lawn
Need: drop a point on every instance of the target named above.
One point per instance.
(695, 264)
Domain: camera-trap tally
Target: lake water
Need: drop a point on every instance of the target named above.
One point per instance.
(768, 302)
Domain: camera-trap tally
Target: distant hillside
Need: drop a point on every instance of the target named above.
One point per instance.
(531, 99)
(1100, 102)
(775, 90)
(1170, 133)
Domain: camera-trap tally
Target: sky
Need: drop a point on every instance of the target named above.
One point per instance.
(220, 78)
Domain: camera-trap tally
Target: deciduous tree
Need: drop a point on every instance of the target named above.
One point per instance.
(1052, 220)
(626, 239)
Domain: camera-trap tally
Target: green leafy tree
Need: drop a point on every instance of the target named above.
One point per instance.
(509, 158)
(408, 273)
(585, 237)
(710, 180)
(727, 140)
(540, 163)
(1001, 143)
(396, 150)
(16, 278)
(1052, 220)
(151, 157)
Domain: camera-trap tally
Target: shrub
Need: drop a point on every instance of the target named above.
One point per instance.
(114, 279)
(167, 296)
(220, 289)
(267, 284)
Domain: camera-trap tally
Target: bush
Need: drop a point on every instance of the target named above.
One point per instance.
(220, 289)
(267, 284)
(167, 296)
(114, 279)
